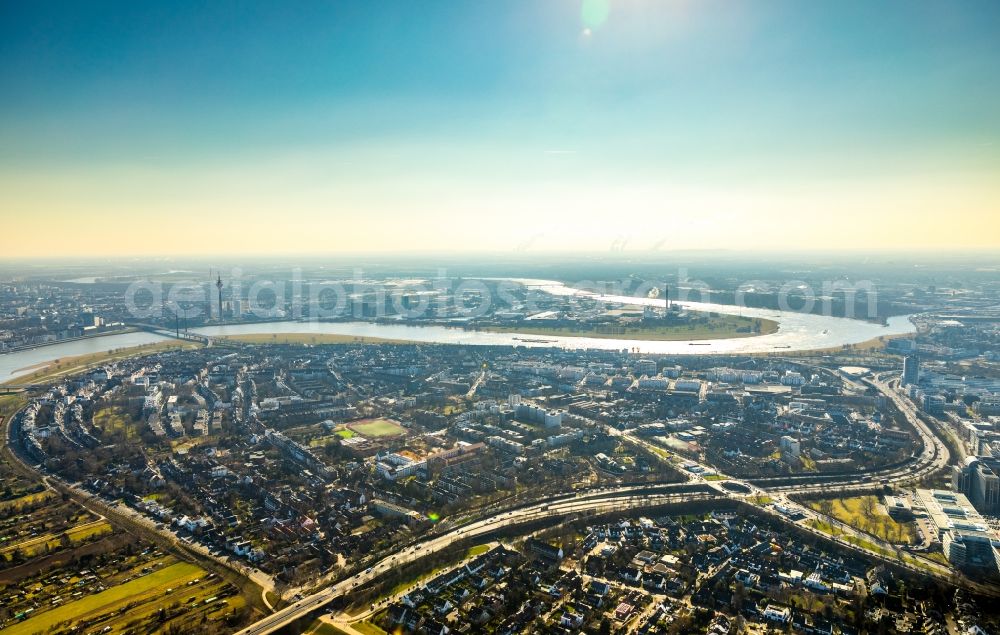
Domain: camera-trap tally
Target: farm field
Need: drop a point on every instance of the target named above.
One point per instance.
(28, 500)
(377, 428)
(66, 570)
(45, 526)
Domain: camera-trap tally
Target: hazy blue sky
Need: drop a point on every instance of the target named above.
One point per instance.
(540, 125)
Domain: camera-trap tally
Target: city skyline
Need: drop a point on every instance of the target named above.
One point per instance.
(521, 127)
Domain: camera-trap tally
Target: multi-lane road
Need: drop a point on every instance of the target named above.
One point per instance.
(591, 502)
(933, 457)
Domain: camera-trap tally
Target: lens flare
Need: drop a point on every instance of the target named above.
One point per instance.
(593, 13)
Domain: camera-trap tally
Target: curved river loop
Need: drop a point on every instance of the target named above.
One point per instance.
(796, 332)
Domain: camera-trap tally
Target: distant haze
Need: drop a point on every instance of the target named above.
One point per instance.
(523, 126)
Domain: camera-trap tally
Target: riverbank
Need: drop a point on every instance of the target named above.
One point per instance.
(61, 367)
(796, 332)
(310, 339)
(31, 347)
(875, 345)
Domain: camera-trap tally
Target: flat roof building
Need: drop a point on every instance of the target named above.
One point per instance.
(898, 508)
(966, 538)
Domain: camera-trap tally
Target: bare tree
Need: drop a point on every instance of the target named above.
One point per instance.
(825, 506)
(868, 507)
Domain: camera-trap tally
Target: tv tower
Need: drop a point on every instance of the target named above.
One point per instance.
(666, 296)
(218, 285)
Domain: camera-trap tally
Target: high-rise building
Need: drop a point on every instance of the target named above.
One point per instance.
(911, 370)
(978, 479)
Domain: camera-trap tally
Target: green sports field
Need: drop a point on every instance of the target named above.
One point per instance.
(377, 428)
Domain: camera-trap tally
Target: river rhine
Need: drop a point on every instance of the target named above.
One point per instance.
(796, 331)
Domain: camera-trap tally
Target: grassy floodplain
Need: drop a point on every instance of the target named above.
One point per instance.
(309, 339)
(717, 327)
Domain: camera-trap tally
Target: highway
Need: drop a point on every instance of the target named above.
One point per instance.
(933, 456)
(584, 503)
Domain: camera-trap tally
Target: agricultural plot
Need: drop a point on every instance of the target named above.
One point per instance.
(49, 542)
(45, 527)
(26, 502)
(146, 595)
